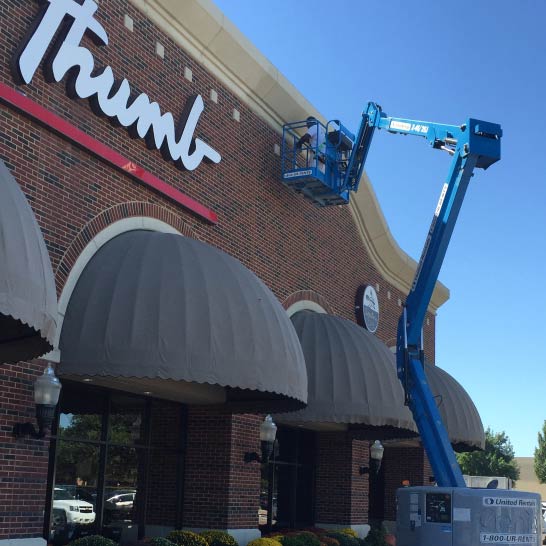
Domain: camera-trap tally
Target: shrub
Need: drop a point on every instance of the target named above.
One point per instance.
(218, 538)
(315, 530)
(186, 538)
(306, 538)
(329, 541)
(292, 540)
(264, 542)
(349, 531)
(93, 540)
(376, 537)
(344, 539)
(300, 538)
(160, 541)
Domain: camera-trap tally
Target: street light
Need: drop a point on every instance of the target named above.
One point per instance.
(376, 456)
(268, 433)
(46, 395)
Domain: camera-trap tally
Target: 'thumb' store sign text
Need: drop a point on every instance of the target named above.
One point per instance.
(109, 96)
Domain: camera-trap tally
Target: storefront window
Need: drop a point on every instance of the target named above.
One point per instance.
(287, 486)
(81, 418)
(75, 491)
(105, 453)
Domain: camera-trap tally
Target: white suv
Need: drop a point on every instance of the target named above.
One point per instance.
(67, 509)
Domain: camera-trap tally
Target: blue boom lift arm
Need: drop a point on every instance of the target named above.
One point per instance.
(474, 144)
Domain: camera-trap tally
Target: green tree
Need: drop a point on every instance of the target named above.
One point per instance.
(80, 459)
(540, 455)
(496, 460)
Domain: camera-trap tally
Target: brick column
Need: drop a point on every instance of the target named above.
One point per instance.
(408, 463)
(221, 491)
(341, 491)
(24, 461)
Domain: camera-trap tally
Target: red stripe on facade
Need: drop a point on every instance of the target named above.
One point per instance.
(30, 108)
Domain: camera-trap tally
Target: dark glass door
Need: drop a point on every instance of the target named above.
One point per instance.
(125, 468)
(287, 494)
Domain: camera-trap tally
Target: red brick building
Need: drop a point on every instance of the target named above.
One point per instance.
(169, 351)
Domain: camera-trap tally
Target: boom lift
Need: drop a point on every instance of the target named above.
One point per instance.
(449, 513)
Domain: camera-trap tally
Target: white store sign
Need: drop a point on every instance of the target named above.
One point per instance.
(109, 96)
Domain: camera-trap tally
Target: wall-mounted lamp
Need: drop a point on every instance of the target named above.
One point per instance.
(268, 432)
(376, 456)
(46, 395)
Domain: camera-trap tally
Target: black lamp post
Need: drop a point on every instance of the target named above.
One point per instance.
(268, 433)
(46, 395)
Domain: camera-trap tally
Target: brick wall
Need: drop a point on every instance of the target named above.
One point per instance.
(23, 464)
(221, 491)
(341, 492)
(403, 464)
(291, 245)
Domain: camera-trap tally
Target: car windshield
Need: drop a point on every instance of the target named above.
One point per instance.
(62, 494)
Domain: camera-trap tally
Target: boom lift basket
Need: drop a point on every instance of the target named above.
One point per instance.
(317, 171)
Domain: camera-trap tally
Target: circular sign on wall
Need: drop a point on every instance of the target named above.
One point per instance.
(367, 307)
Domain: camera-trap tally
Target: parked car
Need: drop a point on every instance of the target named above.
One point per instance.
(118, 505)
(122, 499)
(69, 510)
(84, 494)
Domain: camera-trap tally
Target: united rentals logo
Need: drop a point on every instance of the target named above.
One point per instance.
(70, 21)
(513, 502)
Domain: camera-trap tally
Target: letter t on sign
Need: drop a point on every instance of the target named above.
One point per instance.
(30, 53)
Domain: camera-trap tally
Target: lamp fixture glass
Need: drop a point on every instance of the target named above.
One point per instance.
(47, 388)
(376, 451)
(268, 430)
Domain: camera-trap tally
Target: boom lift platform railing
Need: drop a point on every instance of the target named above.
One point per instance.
(327, 176)
(318, 171)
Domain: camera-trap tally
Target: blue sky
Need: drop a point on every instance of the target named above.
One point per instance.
(444, 62)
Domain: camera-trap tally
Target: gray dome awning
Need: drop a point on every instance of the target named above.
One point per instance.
(153, 308)
(352, 379)
(28, 299)
(458, 412)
